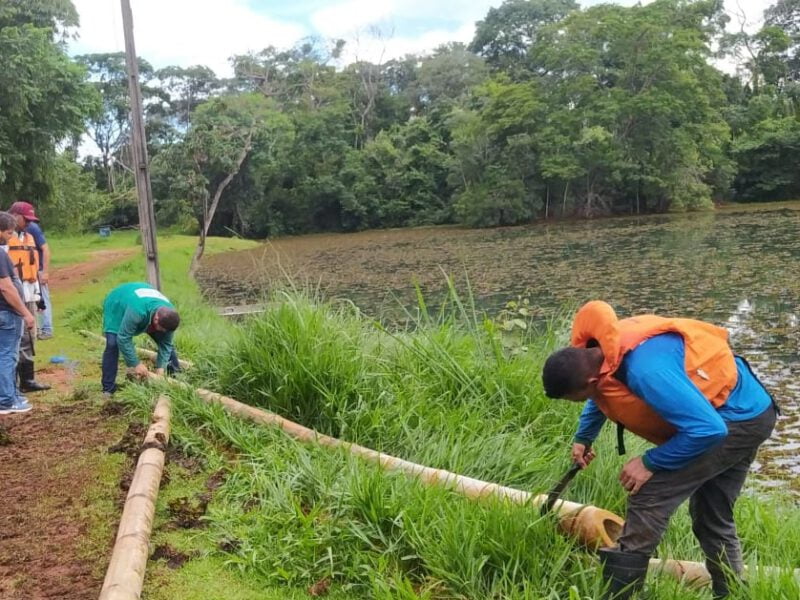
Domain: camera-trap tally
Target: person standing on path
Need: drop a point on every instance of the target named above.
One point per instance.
(129, 310)
(26, 210)
(22, 251)
(14, 317)
(676, 383)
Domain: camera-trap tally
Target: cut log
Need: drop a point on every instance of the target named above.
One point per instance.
(125, 574)
(592, 526)
(142, 352)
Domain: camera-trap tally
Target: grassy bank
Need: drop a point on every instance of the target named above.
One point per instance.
(448, 393)
(77, 305)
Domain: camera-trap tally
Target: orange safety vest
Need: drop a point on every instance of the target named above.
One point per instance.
(709, 363)
(25, 256)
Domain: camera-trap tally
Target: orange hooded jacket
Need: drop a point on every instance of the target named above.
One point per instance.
(710, 363)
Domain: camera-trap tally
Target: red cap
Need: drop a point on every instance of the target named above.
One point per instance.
(25, 209)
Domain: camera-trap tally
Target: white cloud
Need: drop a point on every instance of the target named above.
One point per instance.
(187, 32)
(345, 18)
(182, 32)
(377, 30)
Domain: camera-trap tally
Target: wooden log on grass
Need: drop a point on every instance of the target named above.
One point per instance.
(125, 574)
(142, 352)
(592, 526)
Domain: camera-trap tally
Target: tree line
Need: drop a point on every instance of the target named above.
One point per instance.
(551, 111)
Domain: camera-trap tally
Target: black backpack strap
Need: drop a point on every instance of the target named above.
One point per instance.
(620, 438)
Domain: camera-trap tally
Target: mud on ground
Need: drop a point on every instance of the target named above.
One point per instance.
(46, 473)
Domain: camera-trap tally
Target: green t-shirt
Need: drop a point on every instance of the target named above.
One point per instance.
(128, 311)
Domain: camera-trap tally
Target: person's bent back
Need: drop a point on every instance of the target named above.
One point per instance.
(130, 310)
(676, 383)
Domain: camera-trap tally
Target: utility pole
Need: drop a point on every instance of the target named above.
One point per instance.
(147, 219)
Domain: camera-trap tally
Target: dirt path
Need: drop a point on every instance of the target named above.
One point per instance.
(73, 276)
(48, 468)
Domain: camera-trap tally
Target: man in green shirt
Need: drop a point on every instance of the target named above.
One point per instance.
(131, 309)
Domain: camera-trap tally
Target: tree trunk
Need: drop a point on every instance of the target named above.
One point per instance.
(547, 203)
(209, 217)
(564, 204)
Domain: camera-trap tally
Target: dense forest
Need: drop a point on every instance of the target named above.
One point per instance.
(551, 111)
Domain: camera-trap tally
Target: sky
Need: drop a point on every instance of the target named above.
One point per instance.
(208, 32)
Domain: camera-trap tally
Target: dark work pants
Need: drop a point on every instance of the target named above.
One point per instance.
(111, 362)
(712, 483)
(26, 345)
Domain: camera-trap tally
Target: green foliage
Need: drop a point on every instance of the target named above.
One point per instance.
(762, 153)
(551, 111)
(508, 32)
(225, 132)
(494, 201)
(443, 393)
(76, 205)
(404, 178)
(43, 95)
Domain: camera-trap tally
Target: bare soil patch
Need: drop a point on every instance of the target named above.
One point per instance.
(48, 460)
(44, 474)
(74, 276)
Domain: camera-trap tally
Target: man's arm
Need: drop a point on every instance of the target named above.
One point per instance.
(130, 326)
(656, 373)
(165, 345)
(11, 296)
(590, 423)
(45, 274)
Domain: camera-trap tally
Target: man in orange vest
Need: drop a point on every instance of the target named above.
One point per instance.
(24, 255)
(677, 384)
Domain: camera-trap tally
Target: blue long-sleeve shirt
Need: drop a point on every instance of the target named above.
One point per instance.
(655, 371)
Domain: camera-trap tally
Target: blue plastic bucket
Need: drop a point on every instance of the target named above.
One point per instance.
(104, 231)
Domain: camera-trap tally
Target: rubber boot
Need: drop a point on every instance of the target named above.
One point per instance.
(27, 383)
(723, 581)
(625, 572)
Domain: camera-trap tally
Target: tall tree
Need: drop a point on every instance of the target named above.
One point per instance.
(43, 94)
(504, 37)
(785, 15)
(632, 90)
(298, 77)
(224, 133)
(109, 128)
(187, 88)
(447, 76)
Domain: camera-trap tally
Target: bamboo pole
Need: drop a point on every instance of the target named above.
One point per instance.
(143, 352)
(125, 574)
(594, 527)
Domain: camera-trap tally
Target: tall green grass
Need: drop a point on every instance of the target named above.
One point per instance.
(446, 393)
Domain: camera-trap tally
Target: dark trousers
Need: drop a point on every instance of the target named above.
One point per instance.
(111, 362)
(26, 344)
(712, 483)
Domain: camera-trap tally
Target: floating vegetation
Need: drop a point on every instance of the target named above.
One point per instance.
(736, 268)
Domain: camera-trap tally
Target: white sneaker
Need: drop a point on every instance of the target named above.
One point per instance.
(21, 406)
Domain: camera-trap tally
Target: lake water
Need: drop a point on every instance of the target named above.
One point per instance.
(739, 268)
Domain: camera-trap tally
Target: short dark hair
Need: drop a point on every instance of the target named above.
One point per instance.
(7, 221)
(566, 371)
(168, 318)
